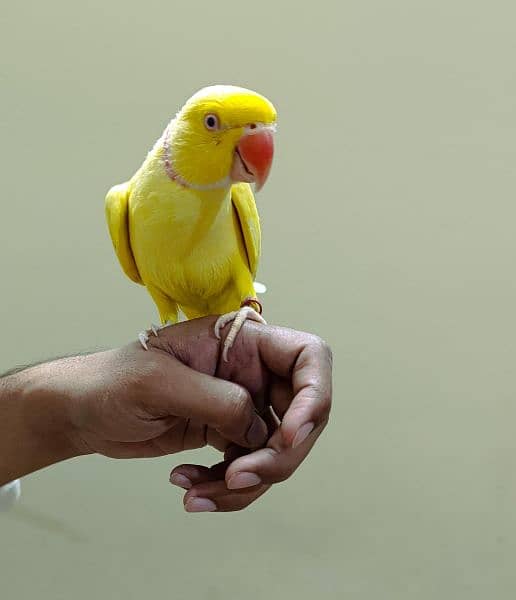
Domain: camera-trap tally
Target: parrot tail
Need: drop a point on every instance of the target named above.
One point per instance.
(260, 288)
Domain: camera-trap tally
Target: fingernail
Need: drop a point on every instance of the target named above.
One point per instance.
(243, 480)
(200, 505)
(257, 432)
(180, 480)
(302, 433)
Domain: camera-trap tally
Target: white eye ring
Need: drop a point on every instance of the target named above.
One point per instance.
(211, 122)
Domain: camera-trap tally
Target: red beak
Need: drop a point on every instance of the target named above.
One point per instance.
(256, 151)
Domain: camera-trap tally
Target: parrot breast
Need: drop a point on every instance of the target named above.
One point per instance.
(188, 245)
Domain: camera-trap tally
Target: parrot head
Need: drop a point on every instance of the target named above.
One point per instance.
(223, 135)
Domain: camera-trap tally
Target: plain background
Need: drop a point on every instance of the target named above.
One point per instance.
(388, 229)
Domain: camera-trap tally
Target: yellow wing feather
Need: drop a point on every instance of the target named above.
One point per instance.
(117, 215)
(243, 201)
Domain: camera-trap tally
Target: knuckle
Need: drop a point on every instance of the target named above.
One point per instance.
(318, 345)
(323, 347)
(239, 410)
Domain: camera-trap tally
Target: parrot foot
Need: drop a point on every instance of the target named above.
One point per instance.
(143, 337)
(238, 317)
(157, 328)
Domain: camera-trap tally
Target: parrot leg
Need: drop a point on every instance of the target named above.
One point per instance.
(238, 317)
(167, 309)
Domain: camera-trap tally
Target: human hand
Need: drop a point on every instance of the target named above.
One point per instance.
(288, 374)
(178, 395)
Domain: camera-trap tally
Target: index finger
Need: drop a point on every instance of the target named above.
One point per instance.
(307, 360)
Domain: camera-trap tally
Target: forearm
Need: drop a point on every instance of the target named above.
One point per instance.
(33, 426)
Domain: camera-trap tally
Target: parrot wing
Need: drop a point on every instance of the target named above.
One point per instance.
(117, 216)
(243, 201)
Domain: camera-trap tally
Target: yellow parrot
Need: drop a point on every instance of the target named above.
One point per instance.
(186, 225)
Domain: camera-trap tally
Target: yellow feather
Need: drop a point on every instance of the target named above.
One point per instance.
(243, 201)
(117, 218)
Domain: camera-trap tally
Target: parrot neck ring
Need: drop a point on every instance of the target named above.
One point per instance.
(174, 176)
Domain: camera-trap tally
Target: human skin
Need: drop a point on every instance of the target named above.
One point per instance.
(264, 408)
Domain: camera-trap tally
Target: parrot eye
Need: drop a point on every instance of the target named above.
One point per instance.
(211, 122)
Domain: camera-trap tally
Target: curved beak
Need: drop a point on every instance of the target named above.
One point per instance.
(253, 157)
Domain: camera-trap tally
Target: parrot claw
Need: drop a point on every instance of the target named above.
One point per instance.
(238, 317)
(144, 336)
(157, 328)
(143, 339)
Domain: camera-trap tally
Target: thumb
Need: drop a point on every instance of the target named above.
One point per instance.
(222, 405)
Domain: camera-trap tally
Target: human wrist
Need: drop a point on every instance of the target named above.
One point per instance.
(37, 428)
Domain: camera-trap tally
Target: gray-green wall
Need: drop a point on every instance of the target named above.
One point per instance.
(388, 228)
